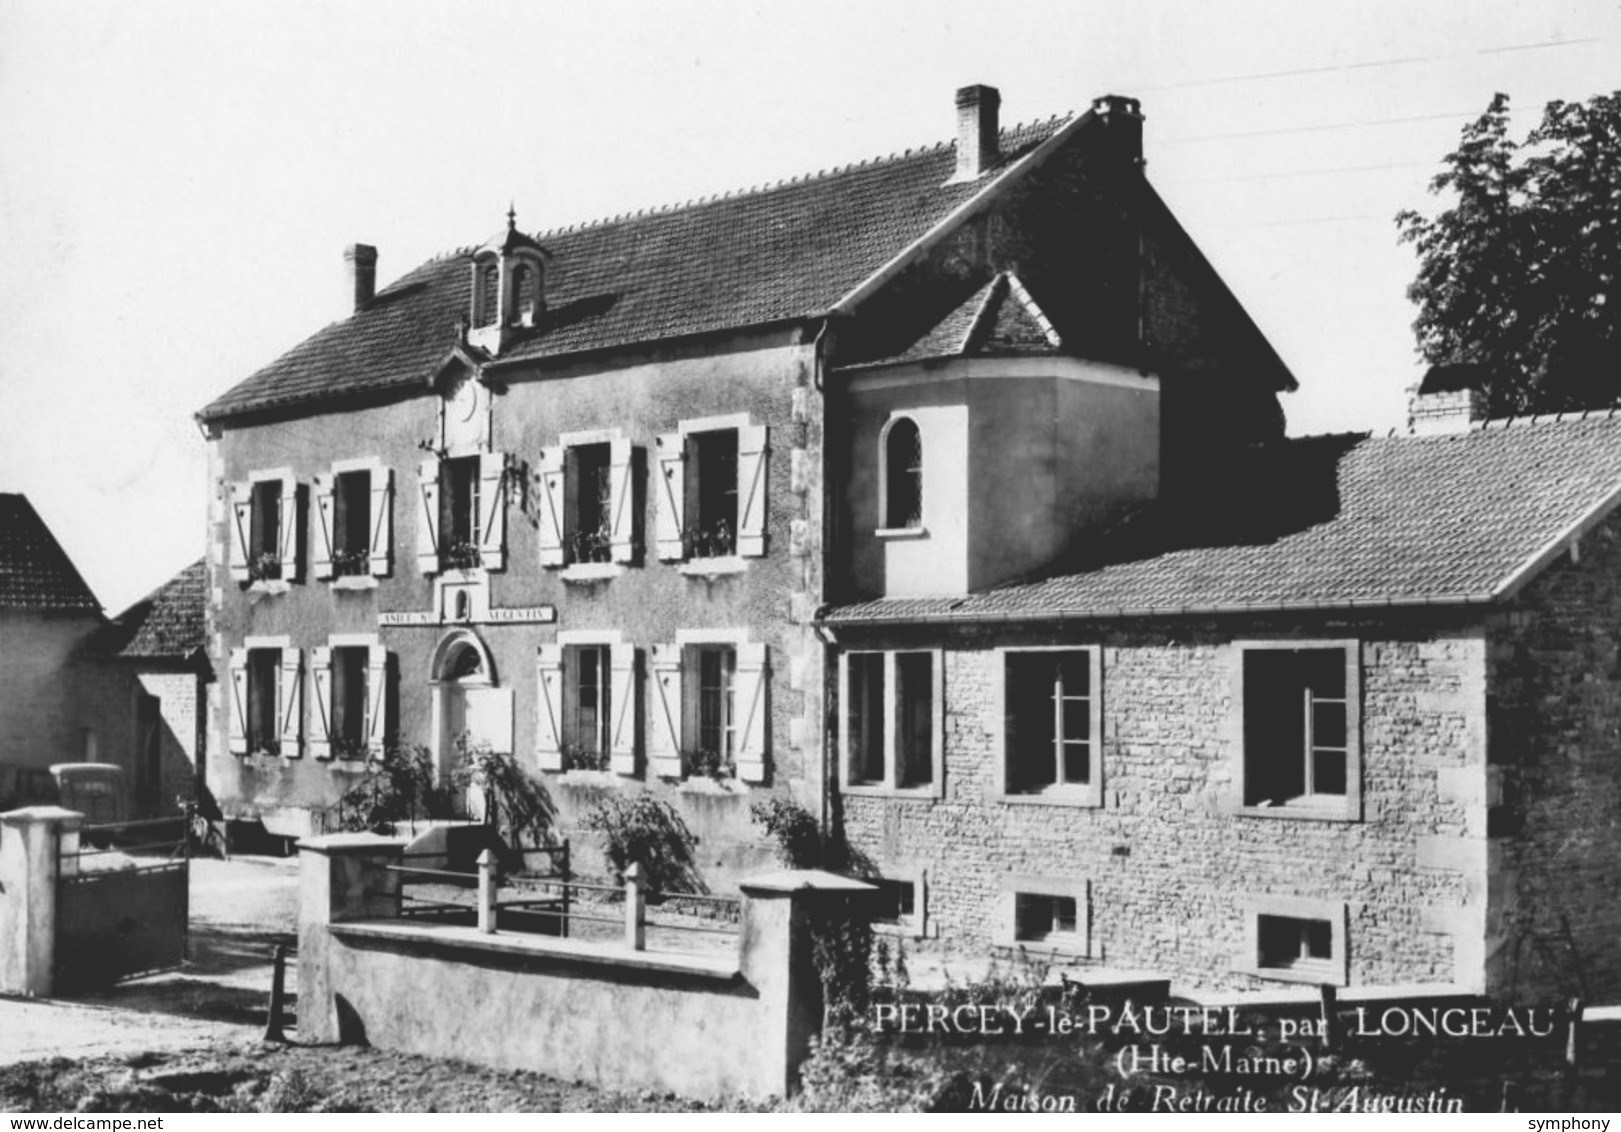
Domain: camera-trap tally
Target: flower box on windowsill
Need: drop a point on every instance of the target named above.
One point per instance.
(716, 567)
(355, 582)
(269, 586)
(901, 532)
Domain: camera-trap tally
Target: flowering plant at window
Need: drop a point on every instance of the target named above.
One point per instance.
(576, 756)
(705, 763)
(462, 556)
(591, 546)
(351, 563)
(714, 540)
(264, 567)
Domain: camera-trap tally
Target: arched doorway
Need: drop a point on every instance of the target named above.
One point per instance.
(469, 706)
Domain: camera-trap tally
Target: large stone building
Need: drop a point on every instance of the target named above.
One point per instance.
(947, 493)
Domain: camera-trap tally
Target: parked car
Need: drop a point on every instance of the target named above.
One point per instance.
(26, 786)
(94, 789)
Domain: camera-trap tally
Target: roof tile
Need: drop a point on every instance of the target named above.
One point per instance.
(1335, 521)
(35, 572)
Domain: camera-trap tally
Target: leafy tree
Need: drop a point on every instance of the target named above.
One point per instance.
(1517, 275)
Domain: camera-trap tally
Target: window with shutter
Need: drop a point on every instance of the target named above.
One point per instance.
(712, 495)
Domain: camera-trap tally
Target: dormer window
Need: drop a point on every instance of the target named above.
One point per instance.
(509, 291)
(486, 293)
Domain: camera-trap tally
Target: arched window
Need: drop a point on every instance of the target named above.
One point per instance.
(487, 303)
(903, 475)
(523, 288)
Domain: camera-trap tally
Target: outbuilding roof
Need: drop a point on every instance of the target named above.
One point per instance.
(166, 624)
(1328, 522)
(35, 572)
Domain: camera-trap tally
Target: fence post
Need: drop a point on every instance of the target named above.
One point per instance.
(486, 892)
(1573, 1036)
(1329, 1006)
(567, 876)
(278, 996)
(635, 907)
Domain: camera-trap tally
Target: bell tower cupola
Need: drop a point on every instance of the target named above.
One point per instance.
(509, 294)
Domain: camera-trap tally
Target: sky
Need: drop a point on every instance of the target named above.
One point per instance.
(178, 180)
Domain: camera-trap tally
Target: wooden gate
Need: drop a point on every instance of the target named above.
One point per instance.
(115, 923)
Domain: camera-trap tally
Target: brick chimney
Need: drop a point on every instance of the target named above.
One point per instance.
(361, 260)
(1449, 399)
(978, 132)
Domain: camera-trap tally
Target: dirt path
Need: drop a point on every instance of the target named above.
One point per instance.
(240, 911)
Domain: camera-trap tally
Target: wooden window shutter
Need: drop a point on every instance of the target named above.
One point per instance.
(321, 553)
(238, 717)
(382, 521)
(751, 490)
(288, 551)
(549, 707)
(377, 722)
(622, 500)
(492, 511)
(428, 519)
(551, 506)
(242, 524)
(622, 725)
(672, 492)
(321, 717)
(664, 707)
(290, 703)
(750, 705)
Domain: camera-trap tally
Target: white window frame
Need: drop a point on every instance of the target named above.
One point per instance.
(240, 518)
(890, 786)
(1077, 944)
(624, 748)
(288, 693)
(1308, 806)
(753, 494)
(380, 524)
(377, 724)
(915, 926)
(672, 703)
(556, 519)
(1090, 793)
(1335, 970)
(884, 530)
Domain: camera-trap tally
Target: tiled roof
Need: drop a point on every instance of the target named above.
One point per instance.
(782, 252)
(998, 320)
(1330, 522)
(35, 572)
(165, 624)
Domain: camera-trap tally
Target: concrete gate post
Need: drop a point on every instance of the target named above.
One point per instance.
(780, 913)
(29, 867)
(343, 876)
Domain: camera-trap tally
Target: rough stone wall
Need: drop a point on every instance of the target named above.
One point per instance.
(1555, 664)
(1169, 863)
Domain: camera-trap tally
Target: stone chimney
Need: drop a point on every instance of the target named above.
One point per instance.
(978, 132)
(1449, 399)
(361, 260)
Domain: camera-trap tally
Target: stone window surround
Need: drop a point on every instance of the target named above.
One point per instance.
(1335, 912)
(1014, 885)
(915, 926)
(1089, 795)
(375, 468)
(1320, 807)
(929, 791)
(592, 572)
(606, 638)
(287, 524)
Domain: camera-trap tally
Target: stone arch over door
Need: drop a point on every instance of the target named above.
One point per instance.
(468, 699)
